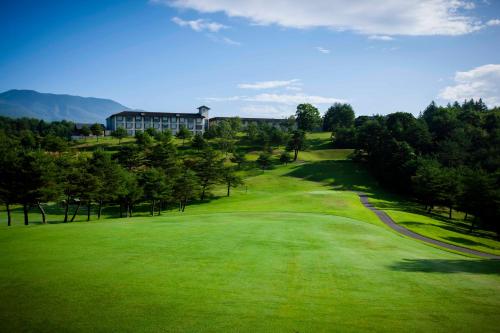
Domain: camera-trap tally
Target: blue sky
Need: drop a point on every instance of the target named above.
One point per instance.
(256, 57)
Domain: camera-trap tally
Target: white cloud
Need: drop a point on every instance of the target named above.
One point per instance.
(224, 99)
(199, 25)
(293, 99)
(322, 50)
(222, 39)
(269, 84)
(480, 82)
(380, 37)
(230, 41)
(492, 23)
(266, 111)
(279, 99)
(392, 17)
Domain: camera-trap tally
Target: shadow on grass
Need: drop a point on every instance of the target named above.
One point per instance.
(467, 242)
(352, 176)
(448, 266)
(318, 144)
(341, 175)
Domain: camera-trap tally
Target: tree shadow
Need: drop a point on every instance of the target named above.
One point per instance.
(353, 176)
(447, 266)
(319, 144)
(467, 242)
(340, 175)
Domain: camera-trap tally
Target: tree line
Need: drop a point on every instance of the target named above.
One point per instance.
(448, 156)
(149, 170)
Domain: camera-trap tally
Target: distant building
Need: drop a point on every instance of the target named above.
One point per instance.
(246, 121)
(138, 121)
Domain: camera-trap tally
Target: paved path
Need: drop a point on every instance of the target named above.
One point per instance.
(402, 230)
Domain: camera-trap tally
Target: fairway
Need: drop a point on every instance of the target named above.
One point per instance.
(291, 272)
(293, 250)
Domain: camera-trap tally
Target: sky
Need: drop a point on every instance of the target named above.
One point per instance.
(255, 58)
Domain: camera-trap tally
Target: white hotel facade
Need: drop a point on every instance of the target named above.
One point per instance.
(135, 121)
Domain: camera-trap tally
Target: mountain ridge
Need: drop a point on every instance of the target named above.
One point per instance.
(19, 103)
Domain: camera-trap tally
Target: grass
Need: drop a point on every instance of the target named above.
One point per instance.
(292, 250)
(289, 272)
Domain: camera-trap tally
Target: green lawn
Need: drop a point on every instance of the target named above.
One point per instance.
(292, 250)
(289, 272)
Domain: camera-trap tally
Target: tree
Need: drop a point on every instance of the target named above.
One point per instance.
(35, 181)
(87, 187)
(143, 139)
(231, 179)
(235, 123)
(344, 137)
(130, 192)
(27, 139)
(208, 169)
(186, 188)
(285, 157)
(278, 137)
(120, 133)
(69, 172)
(155, 187)
(252, 131)
(239, 158)
(85, 131)
(339, 115)
(130, 157)
(107, 172)
(9, 164)
(184, 134)
(307, 117)
(54, 143)
(198, 142)
(297, 143)
(96, 130)
(153, 132)
(225, 145)
(264, 160)
(164, 136)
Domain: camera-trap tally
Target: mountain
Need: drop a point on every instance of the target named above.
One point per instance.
(50, 107)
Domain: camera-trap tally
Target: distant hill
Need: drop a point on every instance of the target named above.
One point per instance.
(50, 107)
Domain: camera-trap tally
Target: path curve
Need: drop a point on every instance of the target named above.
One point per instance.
(402, 230)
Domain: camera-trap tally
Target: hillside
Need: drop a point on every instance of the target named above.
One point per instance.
(291, 250)
(51, 107)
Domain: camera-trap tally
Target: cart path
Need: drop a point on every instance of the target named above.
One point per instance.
(402, 230)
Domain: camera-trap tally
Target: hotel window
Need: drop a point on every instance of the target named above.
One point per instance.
(138, 125)
(182, 120)
(156, 119)
(156, 125)
(147, 119)
(198, 120)
(147, 125)
(119, 118)
(165, 126)
(130, 125)
(173, 120)
(190, 126)
(173, 126)
(130, 119)
(165, 119)
(118, 125)
(138, 118)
